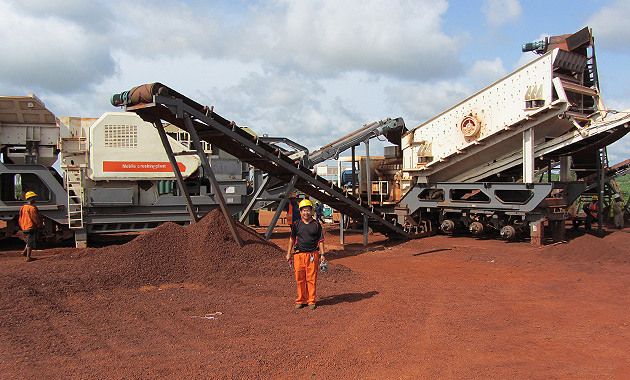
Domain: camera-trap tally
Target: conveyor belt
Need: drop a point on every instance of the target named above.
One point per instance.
(176, 109)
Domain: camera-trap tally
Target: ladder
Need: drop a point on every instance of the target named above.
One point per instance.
(74, 186)
(610, 184)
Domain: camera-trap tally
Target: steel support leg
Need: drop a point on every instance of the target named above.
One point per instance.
(368, 173)
(283, 202)
(365, 229)
(341, 227)
(339, 174)
(565, 168)
(558, 230)
(218, 194)
(80, 238)
(528, 156)
(354, 176)
(600, 191)
(354, 182)
(178, 174)
(536, 232)
(251, 204)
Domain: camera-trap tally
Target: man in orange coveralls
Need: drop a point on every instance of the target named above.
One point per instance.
(306, 249)
(30, 221)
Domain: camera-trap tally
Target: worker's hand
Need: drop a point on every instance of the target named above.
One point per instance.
(289, 258)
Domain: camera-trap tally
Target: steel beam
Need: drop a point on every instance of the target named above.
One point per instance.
(565, 168)
(354, 182)
(289, 167)
(176, 107)
(368, 172)
(528, 155)
(178, 174)
(539, 192)
(365, 229)
(251, 204)
(215, 184)
(601, 176)
(283, 202)
(341, 227)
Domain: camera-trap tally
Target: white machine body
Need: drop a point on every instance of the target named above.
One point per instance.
(122, 146)
(489, 125)
(28, 130)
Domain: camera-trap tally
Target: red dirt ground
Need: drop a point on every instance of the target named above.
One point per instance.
(442, 307)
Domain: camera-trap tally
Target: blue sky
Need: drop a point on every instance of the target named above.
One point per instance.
(308, 70)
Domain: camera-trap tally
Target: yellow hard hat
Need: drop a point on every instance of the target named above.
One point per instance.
(594, 198)
(305, 203)
(29, 194)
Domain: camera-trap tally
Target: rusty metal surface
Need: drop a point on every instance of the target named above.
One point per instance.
(24, 110)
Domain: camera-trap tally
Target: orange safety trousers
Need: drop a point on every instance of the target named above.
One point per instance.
(306, 276)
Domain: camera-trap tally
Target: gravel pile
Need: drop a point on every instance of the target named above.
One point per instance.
(204, 252)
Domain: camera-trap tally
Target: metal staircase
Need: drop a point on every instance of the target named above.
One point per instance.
(75, 149)
(609, 176)
(74, 186)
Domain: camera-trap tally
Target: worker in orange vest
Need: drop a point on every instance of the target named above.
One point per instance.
(30, 221)
(306, 250)
(591, 212)
(293, 209)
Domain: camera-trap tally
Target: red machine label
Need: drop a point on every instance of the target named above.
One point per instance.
(143, 167)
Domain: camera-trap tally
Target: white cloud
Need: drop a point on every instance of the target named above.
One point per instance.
(611, 26)
(525, 59)
(281, 104)
(69, 45)
(42, 52)
(499, 12)
(483, 72)
(94, 16)
(167, 29)
(618, 151)
(401, 38)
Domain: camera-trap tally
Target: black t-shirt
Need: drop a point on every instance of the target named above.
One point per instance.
(306, 237)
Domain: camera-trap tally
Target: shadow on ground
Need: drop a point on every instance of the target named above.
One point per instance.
(432, 251)
(345, 297)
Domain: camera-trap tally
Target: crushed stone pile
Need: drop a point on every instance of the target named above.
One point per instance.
(204, 252)
(591, 248)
